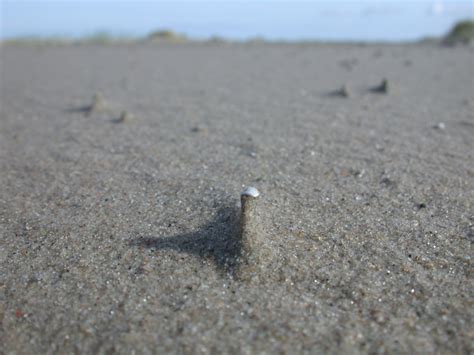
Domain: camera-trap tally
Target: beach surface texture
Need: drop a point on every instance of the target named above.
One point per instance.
(121, 171)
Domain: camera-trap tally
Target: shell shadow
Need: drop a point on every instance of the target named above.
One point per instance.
(382, 88)
(85, 110)
(217, 241)
(342, 92)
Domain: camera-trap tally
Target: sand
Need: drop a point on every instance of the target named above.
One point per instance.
(115, 227)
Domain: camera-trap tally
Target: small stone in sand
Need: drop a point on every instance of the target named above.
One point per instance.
(440, 126)
(387, 182)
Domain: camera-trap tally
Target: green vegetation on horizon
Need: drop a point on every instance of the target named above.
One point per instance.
(166, 35)
(462, 32)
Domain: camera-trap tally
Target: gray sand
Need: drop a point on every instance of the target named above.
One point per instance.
(115, 233)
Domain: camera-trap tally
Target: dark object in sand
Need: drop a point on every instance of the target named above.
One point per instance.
(382, 88)
(342, 92)
(421, 205)
(199, 129)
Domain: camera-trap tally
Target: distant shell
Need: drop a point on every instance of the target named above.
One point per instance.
(440, 125)
(250, 191)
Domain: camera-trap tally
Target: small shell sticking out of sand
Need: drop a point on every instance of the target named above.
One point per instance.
(98, 104)
(342, 92)
(382, 88)
(253, 241)
(441, 126)
(124, 117)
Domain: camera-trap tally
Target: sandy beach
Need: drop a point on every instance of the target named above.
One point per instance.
(116, 220)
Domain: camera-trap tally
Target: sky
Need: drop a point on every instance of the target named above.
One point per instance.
(349, 20)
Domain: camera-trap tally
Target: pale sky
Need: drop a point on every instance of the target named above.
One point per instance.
(290, 20)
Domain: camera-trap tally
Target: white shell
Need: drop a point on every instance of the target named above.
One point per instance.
(250, 191)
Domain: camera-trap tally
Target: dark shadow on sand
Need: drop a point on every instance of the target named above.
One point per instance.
(216, 241)
(85, 110)
(382, 88)
(341, 93)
